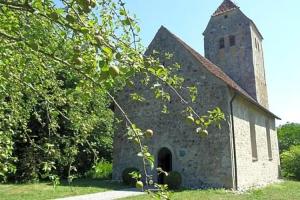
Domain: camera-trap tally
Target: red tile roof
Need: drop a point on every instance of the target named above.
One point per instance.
(226, 6)
(216, 71)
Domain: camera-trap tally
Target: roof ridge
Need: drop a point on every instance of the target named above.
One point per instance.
(217, 71)
(226, 6)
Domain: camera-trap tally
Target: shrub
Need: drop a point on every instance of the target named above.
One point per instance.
(127, 178)
(173, 180)
(290, 162)
(102, 170)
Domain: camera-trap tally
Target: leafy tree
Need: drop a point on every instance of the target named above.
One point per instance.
(290, 162)
(288, 135)
(61, 64)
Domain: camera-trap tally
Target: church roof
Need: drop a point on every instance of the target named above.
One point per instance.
(216, 71)
(226, 6)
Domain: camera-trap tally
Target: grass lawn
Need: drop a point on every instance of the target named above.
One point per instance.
(41, 191)
(288, 190)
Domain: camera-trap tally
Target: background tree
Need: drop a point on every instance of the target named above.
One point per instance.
(290, 162)
(61, 64)
(289, 145)
(288, 135)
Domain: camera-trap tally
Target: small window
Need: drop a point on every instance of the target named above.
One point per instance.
(226, 16)
(269, 139)
(253, 138)
(232, 40)
(222, 43)
(256, 44)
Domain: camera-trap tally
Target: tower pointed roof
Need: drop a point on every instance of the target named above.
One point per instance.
(226, 6)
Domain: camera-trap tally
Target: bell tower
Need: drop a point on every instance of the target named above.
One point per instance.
(233, 42)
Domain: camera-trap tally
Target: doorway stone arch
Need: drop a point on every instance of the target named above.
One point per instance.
(164, 161)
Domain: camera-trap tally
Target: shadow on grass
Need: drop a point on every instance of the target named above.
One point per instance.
(95, 183)
(203, 190)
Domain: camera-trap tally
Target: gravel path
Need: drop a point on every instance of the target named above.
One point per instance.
(109, 195)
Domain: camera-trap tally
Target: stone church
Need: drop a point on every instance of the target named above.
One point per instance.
(244, 152)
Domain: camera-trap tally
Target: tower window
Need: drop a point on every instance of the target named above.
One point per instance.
(256, 44)
(222, 43)
(232, 40)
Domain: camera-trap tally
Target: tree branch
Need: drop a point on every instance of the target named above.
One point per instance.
(18, 6)
(10, 37)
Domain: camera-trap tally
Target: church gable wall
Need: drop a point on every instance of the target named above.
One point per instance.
(199, 160)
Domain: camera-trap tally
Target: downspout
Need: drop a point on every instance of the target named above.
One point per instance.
(233, 141)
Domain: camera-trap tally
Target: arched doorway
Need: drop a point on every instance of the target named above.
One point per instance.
(164, 161)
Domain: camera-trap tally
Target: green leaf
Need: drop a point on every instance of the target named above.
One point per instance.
(193, 93)
(126, 22)
(137, 97)
(165, 109)
(103, 65)
(108, 52)
(123, 12)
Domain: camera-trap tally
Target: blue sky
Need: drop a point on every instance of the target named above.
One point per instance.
(278, 21)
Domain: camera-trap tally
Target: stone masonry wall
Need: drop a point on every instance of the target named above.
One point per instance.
(199, 160)
(259, 68)
(252, 173)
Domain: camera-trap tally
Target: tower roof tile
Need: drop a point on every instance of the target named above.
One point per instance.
(226, 6)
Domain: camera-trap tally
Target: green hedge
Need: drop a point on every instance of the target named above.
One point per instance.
(102, 170)
(173, 180)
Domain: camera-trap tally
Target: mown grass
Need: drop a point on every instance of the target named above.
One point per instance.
(288, 190)
(41, 191)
